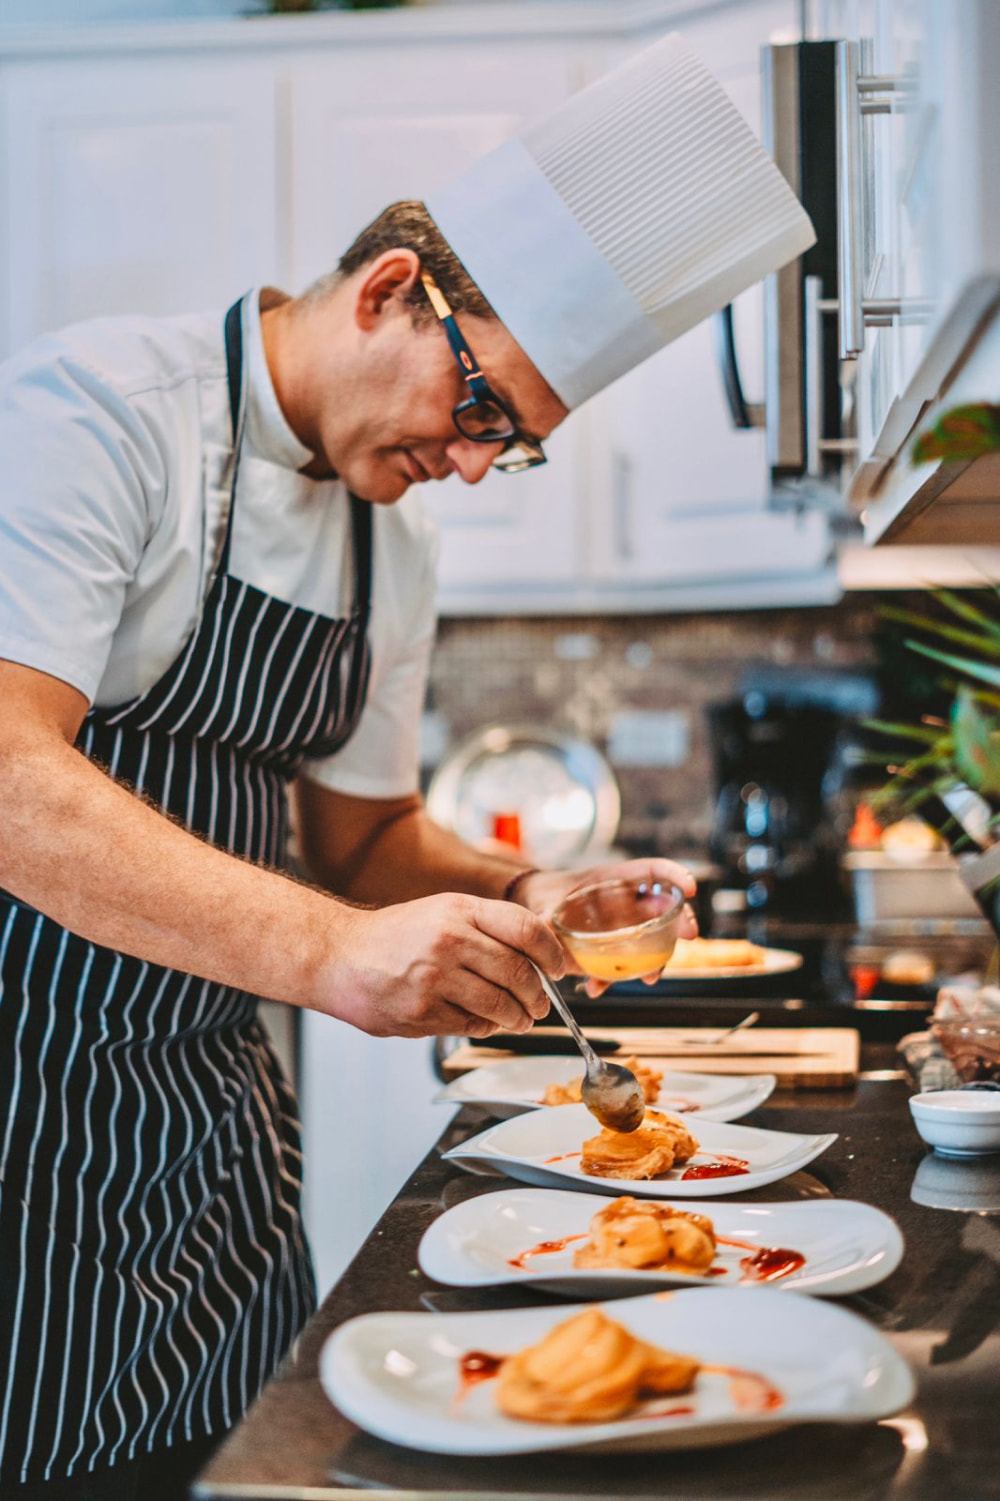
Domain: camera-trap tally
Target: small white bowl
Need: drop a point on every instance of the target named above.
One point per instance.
(958, 1122)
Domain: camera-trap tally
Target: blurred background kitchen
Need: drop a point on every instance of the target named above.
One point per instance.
(668, 639)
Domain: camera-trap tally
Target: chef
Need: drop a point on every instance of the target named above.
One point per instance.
(216, 588)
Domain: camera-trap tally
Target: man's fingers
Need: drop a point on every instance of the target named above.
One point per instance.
(521, 930)
(481, 997)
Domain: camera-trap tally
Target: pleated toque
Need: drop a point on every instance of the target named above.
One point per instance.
(617, 222)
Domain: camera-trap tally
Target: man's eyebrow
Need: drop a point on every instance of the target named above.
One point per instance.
(510, 406)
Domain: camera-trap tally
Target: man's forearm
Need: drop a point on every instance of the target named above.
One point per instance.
(112, 868)
(410, 856)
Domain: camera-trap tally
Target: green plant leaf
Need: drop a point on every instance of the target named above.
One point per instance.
(977, 744)
(970, 612)
(987, 644)
(925, 733)
(983, 672)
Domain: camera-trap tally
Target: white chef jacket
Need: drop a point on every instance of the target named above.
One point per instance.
(115, 447)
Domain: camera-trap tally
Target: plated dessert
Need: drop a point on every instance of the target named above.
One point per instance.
(663, 1158)
(514, 1085)
(703, 1367)
(554, 1239)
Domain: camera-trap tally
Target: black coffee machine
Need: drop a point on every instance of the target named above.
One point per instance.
(771, 831)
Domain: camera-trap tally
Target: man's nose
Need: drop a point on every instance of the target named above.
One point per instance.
(472, 460)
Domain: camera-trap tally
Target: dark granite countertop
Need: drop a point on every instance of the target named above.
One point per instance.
(941, 1308)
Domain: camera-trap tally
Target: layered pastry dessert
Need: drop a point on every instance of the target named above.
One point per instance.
(640, 1234)
(589, 1369)
(714, 953)
(661, 1141)
(648, 1079)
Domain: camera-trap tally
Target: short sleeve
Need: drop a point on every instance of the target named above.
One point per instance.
(77, 468)
(382, 758)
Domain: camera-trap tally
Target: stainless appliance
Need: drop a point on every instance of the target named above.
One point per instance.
(805, 410)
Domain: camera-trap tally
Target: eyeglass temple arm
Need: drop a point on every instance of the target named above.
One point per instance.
(435, 296)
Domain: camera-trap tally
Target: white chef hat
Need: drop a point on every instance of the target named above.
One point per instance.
(620, 220)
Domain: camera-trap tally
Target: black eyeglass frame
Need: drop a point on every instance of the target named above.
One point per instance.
(519, 451)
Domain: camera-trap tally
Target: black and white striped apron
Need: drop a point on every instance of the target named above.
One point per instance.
(152, 1264)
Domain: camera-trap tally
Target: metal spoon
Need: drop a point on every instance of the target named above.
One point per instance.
(611, 1093)
(698, 1042)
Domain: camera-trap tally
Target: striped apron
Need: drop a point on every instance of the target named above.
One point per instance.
(153, 1269)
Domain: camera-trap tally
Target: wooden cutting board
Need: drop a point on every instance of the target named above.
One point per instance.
(801, 1057)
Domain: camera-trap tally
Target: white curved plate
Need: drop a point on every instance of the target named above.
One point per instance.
(397, 1374)
(774, 962)
(517, 1084)
(848, 1246)
(524, 1147)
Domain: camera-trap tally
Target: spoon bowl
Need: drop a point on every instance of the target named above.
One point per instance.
(610, 1092)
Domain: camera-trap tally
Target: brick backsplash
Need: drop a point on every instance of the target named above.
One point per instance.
(579, 674)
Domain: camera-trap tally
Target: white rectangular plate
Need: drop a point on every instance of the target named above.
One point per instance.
(543, 1146)
(518, 1084)
(397, 1374)
(847, 1246)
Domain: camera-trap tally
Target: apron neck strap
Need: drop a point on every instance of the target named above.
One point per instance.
(361, 510)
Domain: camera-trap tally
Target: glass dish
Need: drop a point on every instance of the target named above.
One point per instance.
(620, 930)
(972, 1046)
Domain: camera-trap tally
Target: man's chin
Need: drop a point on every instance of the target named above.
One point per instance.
(381, 489)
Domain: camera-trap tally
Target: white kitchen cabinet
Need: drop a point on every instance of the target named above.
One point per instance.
(133, 183)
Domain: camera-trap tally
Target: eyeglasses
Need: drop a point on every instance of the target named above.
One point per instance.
(482, 417)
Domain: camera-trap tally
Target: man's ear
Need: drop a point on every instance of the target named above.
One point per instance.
(384, 284)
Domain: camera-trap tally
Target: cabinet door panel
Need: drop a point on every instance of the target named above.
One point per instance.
(136, 187)
(369, 137)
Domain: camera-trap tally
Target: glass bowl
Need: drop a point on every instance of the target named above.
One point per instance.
(620, 930)
(971, 1045)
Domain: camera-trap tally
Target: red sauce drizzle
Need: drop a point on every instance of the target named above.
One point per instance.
(682, 1106)
(749, 1389)
(721, 1167)
(544, 1248)
(765, 1263)
(770, 1263)
(716, 1271)
(562, 1157)
(476, 1366)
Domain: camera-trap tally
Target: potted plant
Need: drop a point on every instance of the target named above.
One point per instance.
(947, 768)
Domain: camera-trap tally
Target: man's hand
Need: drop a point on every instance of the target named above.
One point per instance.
(542, 892)
(442, 964)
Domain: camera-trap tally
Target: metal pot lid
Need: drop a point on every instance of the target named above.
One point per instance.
(562, 790)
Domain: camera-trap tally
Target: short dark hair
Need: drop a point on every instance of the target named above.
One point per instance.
(408, 225)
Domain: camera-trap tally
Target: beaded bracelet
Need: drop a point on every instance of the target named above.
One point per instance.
(521, 875)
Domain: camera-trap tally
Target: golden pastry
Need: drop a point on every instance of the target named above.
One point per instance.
(660, 1141)
(714, 953)
(588, 1369)
(636, 1233)
(908, 967)
(648, 1079)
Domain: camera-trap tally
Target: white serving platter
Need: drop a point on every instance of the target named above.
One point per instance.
(542, 1147)
(518, 1084)
(847, 1246)
(772, 962)
(397, 1375)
